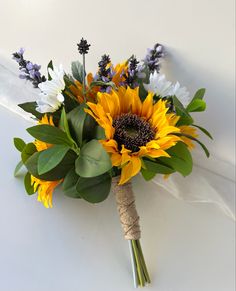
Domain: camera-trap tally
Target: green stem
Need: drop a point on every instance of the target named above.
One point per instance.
(143, 262)
(139, 266)
(141, 275)
(84, 87)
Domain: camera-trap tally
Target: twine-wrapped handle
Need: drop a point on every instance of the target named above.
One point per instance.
(127, 210)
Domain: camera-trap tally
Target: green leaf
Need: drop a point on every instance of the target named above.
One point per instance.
(158, 168)
(89, 127)
(50, 158)
(185, 118)
(93, 160)
(99, 132)
(198, 141)
(64, 124)
(69, 184)
(28, 151)
(19, 144)
(96, 189)
(49, 134)
(76, 119)
(27, 182)
(180, 160)
(18, 167)
(196, 105)
(147, 175)
(59, 172)
(50, 65)
(30, 107)
(199, 94)
(77, 71)
(203, 130)
(101, 83)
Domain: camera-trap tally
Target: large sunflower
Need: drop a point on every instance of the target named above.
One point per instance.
(45, 188)
(133, 129)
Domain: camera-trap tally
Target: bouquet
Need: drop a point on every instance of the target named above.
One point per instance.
(95, 132)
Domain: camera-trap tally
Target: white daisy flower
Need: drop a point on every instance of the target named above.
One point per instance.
(51, 98)
(163, 88)
(158, 85)
(181, 93)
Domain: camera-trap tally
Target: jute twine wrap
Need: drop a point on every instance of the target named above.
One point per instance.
(126, 207)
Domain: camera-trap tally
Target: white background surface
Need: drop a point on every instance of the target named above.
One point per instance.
(76, 246)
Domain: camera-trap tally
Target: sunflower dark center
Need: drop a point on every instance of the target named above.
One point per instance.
(132, 131)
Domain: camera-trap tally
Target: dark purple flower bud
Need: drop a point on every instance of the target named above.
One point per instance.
(83, 46)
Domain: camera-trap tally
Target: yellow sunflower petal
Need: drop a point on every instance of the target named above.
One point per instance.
(147, 107)
(130, 170)
(116, 159)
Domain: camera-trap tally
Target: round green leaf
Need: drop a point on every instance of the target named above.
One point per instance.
(93, 160)
(28, 186)
(69, 184)
(28, 151)
(94, 190)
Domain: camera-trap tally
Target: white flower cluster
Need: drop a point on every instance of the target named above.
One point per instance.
(51, 98)
(163, 88)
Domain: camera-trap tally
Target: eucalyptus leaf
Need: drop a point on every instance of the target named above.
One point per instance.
(180, 160)
(28, 151)
(147, 175)
(59, 172)
(199, 94)
(198, 141)
(185, 118)
(49, 134)
(96, 189)
(69, 184)
(99, 132)
(30, 107)
(76, 119)
(157, 167)
(19, 144)
(77, 71)
(50, 158)
(93, 160)
(196, 105)
(28, 186)
(64, 125)
(18, 168)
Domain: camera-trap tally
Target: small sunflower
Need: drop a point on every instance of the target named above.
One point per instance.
(133, 129)
(77, 90)
(45, 188)
(189, 130)
(40, 145)
(185, 129)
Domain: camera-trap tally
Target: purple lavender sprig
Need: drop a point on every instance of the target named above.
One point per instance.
(152, 59)
(105, 73)
(28, 70)
(132, 73)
